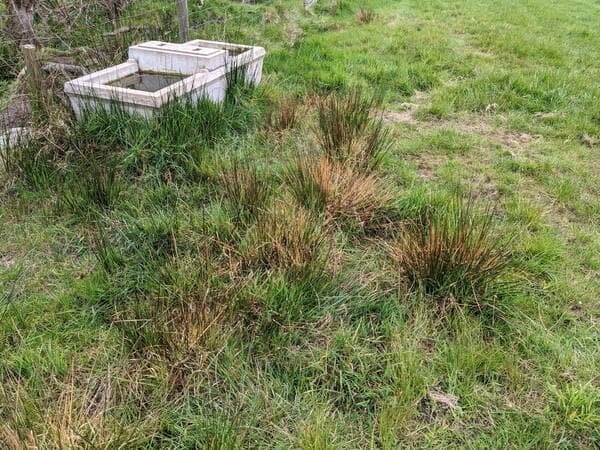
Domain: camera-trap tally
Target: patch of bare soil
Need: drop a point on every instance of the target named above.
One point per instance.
(478, 126)
(406, 111)
(512, 139)
(515, 139)
(6, 261)
(436, 406)
(426, 173)
(427, 164)
(398, 117)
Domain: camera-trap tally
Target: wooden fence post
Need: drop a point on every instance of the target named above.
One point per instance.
(35, 80)
(184, 20)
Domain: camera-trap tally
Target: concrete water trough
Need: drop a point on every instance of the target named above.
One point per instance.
(157, 72)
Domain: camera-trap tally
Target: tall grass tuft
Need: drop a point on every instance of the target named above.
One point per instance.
(341, 192)
(348, 133)
(365, 15)
(81, 413)
(96, 187)
(246, 192)
(237, 76)
(284, 117)
(452, 253)
(105, 252)
(29, 164)
(288, 240)
(174, 142)
(172, 319)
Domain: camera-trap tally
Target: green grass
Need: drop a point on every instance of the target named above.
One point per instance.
(209, 279)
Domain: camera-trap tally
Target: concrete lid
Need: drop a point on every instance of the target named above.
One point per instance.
(188, 48)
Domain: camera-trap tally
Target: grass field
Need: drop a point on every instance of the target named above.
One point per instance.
(268, 274)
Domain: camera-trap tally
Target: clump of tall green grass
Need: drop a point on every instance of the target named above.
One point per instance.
(174, 141)
(28, 164)
(452, 253)
(287, 240)
(348, 133)
(245, 191)
(285, 116)
(173, 317)
(95, 186)
(237, 77)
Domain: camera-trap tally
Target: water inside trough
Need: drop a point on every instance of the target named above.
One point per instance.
(147, 81)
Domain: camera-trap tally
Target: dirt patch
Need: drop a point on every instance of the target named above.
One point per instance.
(420, 96)
(548, 115)
(506, 138)
(448, 401)
(427, 164)
(436, 406)
(406, 111)
(515, 140)
(397, 117)
(6, 261)
(426, 173)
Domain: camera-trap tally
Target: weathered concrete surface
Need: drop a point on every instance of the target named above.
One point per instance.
(206, 64)
(14, 136)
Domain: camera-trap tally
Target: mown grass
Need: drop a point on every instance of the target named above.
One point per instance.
(248, 276)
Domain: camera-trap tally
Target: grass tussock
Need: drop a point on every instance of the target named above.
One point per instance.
(365, 15)
(98, 186)
(452, 253)
(173, 318)
(348, 133)
(285, 117)
(86, 412)
(173, 144)
(288, 240)
(238, 78)
(342, 193)
(245, 191)
(28, 165)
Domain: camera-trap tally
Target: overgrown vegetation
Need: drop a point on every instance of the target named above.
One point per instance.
(451, 252)
(246, 193)
(341, 192)
(392, 242)
(347, 133)
(289, 241)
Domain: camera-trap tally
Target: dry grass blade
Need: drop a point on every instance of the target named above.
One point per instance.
(365, 15)
(81, 417)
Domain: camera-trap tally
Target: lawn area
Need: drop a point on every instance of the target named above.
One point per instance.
(265, 274)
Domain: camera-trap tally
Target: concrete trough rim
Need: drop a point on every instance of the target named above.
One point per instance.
(95, 87)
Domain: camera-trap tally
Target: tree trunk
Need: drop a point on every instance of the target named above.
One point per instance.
(21, 20)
